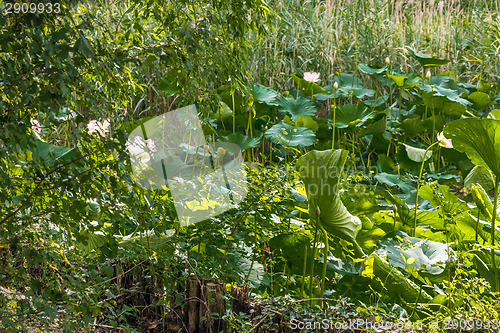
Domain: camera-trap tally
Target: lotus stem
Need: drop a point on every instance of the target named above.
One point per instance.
(325, 260)
(314, 251)
(418, 187)
(334, 110)
(493, 219)
(304, 272)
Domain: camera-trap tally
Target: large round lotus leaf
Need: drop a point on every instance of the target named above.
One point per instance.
(296, 107)
(306, 121)
(321, 172)
(410, 158)
(480, 175)
(479, 139)
(403, 250)
(289, 135)
(349, 84)
(264, 94)
(494, 114)
(243, 141)
(364, 68)
(292, 247)
(352, 115)
(427, 60)
(481, 100)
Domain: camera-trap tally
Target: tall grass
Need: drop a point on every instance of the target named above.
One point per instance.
(336, 35)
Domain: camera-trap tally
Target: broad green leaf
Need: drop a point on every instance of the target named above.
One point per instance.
(441, 197)
(428, 255)
(243, 141)
(482, 259)
(417, 154)
(83, 45)
(388, 279)
(351, 115)
(51, 154)
(306, 121)
(377, 127)
(361, 204)
(351, 85)
(479, 139)
(480, 175)
(292, 248)
(289, 135)
(413, 126)
(321, 172)
(264, 94)
(398, 79)
(426, 60)
(481, 100)
(452, 108)
(393, 181)
(366, 69)
(169, 85)
(344, 267)
(296, 107)
(494, 114)
(483, 202)
(373, 103)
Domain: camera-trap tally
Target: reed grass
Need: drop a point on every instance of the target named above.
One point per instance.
(333, 36)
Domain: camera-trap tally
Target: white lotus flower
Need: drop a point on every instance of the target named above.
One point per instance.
(311, 76)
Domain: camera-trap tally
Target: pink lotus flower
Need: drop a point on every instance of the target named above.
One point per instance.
(311, 76)
(151, 145)
(96, 126)
(35, 126)
(444, 142)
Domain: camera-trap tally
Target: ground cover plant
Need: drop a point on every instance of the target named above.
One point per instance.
(370, 139)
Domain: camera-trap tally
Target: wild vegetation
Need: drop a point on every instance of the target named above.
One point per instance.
(370, 136)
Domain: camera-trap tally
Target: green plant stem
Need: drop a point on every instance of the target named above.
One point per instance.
(493, 219)
(313, 257)
(418, 187)
(334, 111)
(304, 272)
(325, 260)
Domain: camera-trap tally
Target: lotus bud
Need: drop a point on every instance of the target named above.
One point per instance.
(387, 61)
(221, 151)
(317, 211)
(428, 74)
(336, 85)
